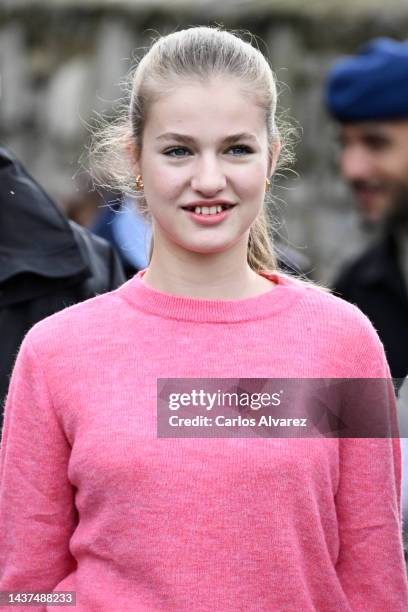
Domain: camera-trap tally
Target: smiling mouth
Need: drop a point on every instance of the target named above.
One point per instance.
(368, 195)
(208, 210)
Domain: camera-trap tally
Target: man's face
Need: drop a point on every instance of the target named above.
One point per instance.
(374, 160)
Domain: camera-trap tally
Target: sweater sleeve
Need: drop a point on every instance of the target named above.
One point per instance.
(37, 513)
(371, 564)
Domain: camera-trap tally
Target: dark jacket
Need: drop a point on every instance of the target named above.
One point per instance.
(374, 282)
(46, 261)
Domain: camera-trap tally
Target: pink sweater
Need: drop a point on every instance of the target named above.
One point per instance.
(93, 502)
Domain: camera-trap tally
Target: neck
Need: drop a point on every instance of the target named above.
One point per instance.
(224, 276)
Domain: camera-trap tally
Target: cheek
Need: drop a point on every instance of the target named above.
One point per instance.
(168, 182)
(397, 168)
(392, 164)
(161, 189)
(252, 185)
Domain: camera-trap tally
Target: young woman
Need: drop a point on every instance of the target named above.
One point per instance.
(92, 501)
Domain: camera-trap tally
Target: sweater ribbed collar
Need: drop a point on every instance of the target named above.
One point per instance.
(282, 295)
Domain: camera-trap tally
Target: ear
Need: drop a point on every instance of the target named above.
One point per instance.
(134, 157)
(274, 156)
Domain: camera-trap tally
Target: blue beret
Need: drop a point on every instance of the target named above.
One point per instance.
(373, 84)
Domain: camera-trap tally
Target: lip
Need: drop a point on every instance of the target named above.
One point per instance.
(367, 196)
(209, 203)
(209, 219)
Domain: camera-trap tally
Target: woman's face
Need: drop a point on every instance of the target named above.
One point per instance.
(204, 147)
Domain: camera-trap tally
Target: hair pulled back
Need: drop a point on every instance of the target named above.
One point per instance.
(193, 54)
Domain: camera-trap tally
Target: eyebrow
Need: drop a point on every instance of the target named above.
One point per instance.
(189, 139)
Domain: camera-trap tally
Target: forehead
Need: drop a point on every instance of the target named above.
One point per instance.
(218, 105)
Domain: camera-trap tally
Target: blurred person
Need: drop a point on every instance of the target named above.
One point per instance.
(368, 95)
(131, 521)
(120, 222)
(47, 262)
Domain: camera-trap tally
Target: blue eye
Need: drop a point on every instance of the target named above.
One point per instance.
(242, 149)
(236, 150)
(175, 152)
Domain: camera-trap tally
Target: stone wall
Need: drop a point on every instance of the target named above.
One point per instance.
(60, 61)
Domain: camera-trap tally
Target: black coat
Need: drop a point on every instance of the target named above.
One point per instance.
(46, 261)
(374, 282)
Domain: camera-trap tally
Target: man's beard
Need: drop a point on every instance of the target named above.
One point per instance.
(397, 216)
(370, 226)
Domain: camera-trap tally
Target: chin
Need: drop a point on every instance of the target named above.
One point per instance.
(208, 249)
(373, 210)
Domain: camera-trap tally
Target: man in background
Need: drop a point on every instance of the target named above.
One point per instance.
(368, 95)
(46, 261)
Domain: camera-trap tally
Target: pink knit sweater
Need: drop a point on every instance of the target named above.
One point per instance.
(93, 502)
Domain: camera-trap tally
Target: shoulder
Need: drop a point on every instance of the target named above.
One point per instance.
(77, 324)
(86, 239)
(321, 302)
(353, 270)
(365, 266)
(76, 343)
(103, 263)
(332, 321)
(334, 311)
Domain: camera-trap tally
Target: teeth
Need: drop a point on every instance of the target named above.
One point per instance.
(205, 210)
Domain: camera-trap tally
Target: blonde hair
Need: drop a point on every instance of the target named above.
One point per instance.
(196, 53)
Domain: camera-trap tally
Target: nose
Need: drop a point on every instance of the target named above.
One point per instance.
(208, 176)
(356, 163)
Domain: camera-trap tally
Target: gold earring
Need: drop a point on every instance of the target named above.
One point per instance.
(139, 182)
(267, 184)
